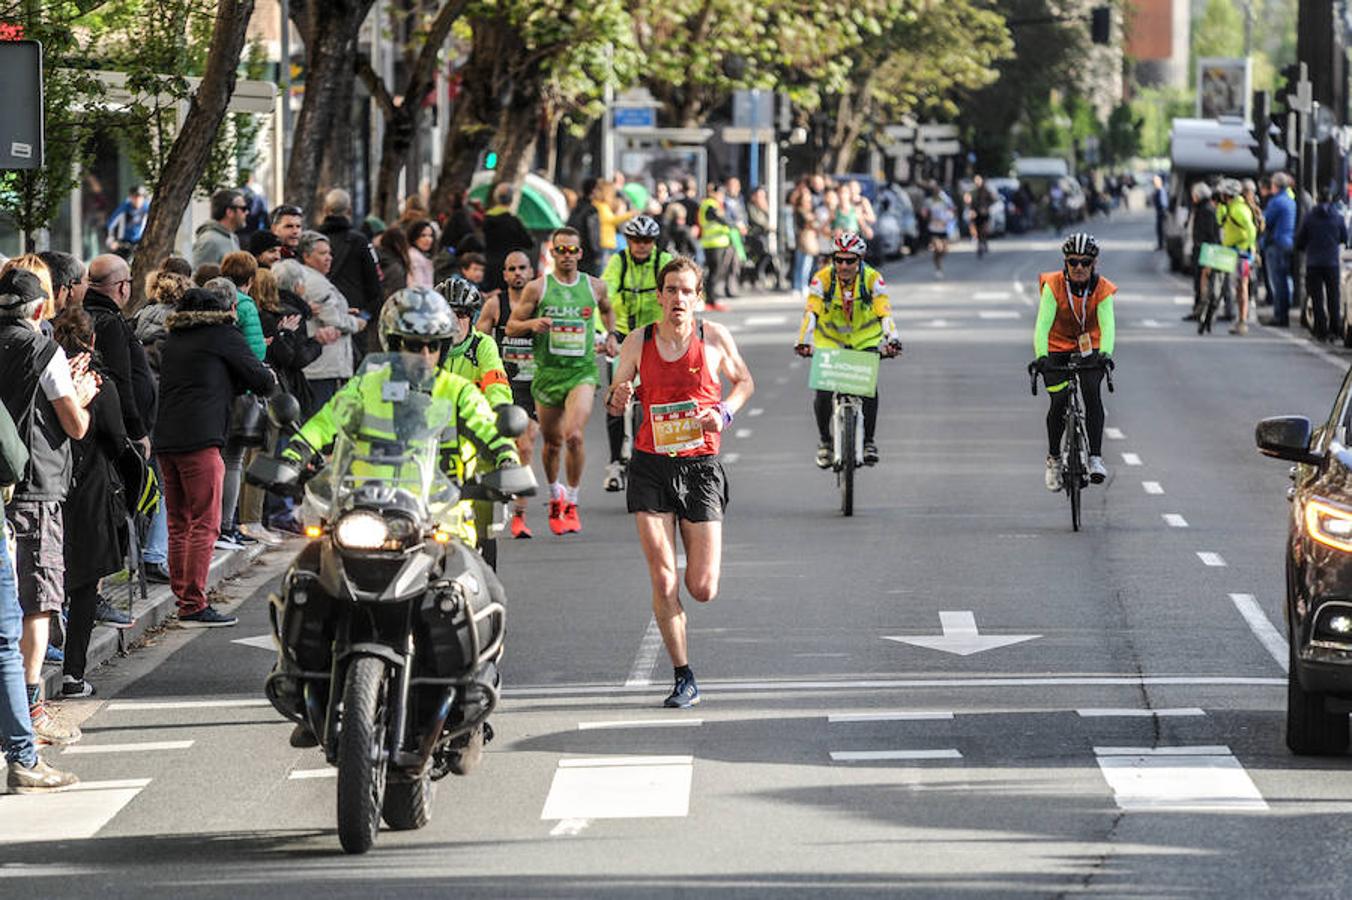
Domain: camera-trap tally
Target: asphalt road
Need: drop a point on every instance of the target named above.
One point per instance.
(1130, 744)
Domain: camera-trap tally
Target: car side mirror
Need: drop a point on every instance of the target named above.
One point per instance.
(512, 420)
(1287, 437)
(284, 411)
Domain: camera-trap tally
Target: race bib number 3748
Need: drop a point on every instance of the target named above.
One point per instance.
(675, 427)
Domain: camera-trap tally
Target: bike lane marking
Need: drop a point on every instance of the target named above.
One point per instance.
(1152, 487)
(1264, 630)
(1174, 520)
(1131, 459)
(1211, 559)
(1114, 434)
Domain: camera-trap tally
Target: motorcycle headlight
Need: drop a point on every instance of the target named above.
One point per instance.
(1329, 525)
(361, 530)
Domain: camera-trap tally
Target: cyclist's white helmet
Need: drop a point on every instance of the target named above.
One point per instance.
(642, 227)
(849, 242)
(1081, 243)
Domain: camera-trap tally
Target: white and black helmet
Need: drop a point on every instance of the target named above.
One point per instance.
(462, 295)
(417, 313)
(1082, 243)
(642, 227)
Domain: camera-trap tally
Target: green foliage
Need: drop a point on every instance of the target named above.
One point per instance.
(1156, 108)
(1121, 139)
(1218, 31)
(236, 149)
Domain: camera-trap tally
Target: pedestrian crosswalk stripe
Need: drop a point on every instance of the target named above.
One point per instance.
(900, 716)
(76, 814)
(882, 755)
(1155, 779)
(143, 747)
(631, 787)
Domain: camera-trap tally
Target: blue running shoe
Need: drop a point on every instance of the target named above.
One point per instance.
(685, 695)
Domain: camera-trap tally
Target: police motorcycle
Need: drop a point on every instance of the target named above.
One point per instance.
(389, 625)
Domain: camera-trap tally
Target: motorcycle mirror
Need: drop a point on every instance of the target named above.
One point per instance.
(284, 410)
(512, 420)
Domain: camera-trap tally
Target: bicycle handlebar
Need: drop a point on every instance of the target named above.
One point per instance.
(1073, 366)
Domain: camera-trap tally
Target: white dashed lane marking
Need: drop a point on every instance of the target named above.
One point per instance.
(879, 755)
(1174, 520)
(1131, 459)
(896, 716)
(1211, 559)
(1114, 434)
(1152, 487)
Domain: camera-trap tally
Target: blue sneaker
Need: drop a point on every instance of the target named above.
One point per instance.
(206, 617)
(685, 695)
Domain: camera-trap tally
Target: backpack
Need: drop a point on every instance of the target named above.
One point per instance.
(865, 293)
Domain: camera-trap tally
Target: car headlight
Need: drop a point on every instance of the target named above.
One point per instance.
(1329, 525)
(361, 530)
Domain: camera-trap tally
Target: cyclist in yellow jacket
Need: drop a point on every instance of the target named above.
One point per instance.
(847, 306)
(1239, 232)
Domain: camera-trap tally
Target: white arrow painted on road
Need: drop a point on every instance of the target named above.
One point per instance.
(960, 636)
(262, 642)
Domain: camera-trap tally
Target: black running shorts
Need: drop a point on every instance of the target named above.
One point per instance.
(695, 488)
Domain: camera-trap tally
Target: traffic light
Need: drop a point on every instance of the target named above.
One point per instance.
(1100, 24)
(1262, 121)
(490, 160)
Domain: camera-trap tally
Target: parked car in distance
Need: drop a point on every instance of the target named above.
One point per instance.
(1318, 604)
(896, 228)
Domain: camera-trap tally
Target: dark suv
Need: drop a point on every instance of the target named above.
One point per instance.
(1318, 574)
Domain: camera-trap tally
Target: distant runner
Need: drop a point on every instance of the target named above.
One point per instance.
(675, 476)
(557, 311)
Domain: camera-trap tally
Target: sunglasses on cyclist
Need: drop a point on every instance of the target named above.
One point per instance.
(565, 250)
(845, 260)
(415, 345)
(1079, 262)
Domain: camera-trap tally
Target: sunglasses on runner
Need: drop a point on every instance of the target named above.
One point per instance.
(844, 260)
(1079, 262)
(565, 250)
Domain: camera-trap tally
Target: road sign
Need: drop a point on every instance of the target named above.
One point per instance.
(644, 117)
(941, 148)
(753, 109)
(734, 135)
(21, 124)
(936, 132)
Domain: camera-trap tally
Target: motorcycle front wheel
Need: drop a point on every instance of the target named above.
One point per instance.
(361, 764)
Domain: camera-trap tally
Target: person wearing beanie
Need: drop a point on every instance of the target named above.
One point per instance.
(266, 247)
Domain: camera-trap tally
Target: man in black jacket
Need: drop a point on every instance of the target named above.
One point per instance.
(356, 270)
(1205, 230)
(123, 356)
(503, 233)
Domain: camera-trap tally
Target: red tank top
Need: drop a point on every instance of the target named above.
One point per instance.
(672, 393)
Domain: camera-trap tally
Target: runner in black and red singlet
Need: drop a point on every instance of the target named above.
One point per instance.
(675, 476)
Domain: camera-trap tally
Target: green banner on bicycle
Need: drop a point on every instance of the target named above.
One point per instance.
(1218, 257)
(844, 371)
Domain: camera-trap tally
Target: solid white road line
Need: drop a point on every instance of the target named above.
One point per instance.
(203, 703)
(1264, 630)
(145, 746)
(1131, 459)
(640, 723)
(1174, 520)
(731, 687)
(900, 716)
(1211, 559)
(1152, 487)
(75, 814)
(631, 787)
(1113, 434)
(304, 774)
(876, 755)
(1139, 713)
(641, 672)
(1153, 779)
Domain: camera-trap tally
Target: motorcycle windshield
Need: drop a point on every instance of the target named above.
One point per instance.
(390, 437)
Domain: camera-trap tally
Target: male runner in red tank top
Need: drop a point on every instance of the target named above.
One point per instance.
(675, 476)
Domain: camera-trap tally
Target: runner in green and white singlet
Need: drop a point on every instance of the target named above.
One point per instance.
(557, 311)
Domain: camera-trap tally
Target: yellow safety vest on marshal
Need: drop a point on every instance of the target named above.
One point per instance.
(712, 235)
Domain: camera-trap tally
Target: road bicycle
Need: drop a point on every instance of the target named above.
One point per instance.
(851, 376)
(1074, 435)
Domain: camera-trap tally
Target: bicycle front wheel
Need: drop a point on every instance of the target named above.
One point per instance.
(845, 477)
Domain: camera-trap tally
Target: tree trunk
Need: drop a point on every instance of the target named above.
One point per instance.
(477, 113)
(338, 169)
(188, 157)
(329, 29)
(518, 133)
(552, 120)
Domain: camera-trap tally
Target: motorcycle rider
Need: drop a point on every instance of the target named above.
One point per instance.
(1075, 315)
(631, 280)
(847, 306)
(418, 324)
(474, 356)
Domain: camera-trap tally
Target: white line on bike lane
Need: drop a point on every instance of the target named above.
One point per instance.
(1152, 487)
(1131, 459)
(1174, 520)
(1114, 434)
(1211, 559)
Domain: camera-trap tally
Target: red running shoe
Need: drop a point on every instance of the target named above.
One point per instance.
(571, 523)
(556, 522)
(519, 527)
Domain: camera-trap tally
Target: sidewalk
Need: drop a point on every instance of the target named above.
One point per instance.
(147, 614)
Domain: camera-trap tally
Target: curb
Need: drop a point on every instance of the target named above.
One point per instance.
(147, 614)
